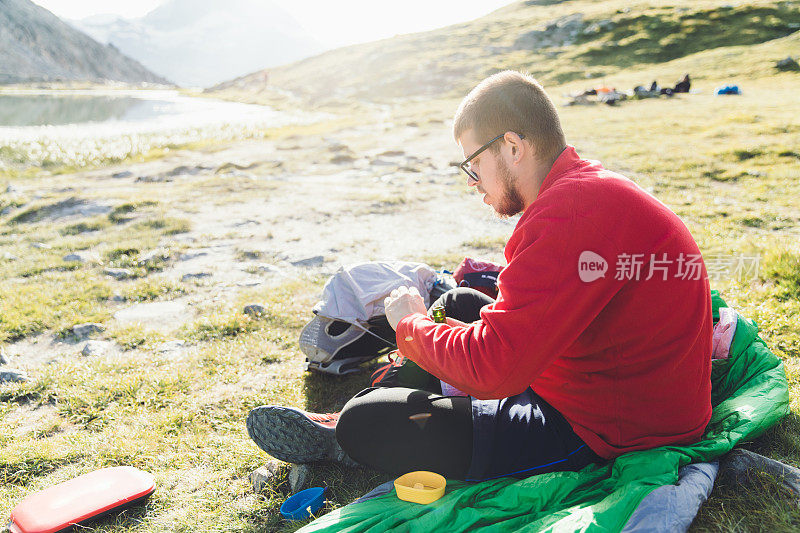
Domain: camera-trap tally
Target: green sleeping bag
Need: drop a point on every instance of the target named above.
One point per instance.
(749, 395)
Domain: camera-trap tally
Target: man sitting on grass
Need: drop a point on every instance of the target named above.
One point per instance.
(598, 344)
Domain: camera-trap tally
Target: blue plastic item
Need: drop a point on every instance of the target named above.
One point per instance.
(727, 89)
(303, 504)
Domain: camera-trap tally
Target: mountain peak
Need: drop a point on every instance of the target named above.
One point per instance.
(38, 46)
(202, 42)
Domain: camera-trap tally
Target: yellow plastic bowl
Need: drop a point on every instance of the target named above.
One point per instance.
(420, 486)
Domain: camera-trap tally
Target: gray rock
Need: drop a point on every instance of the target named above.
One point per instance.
(82, 257)
(249, 283)
(154, 179)
(316, 260)
(560, 32)
(12, 376)
(255, 310)
(170, 346)
(338, 147)
(231, 168)
(599, 27)
(266, 267)
(195, 275)
(94, 348)
(69, 207)
(787, 63)
(262, 477)
(405, 168)
(11, 189)
(3, 358)
(342, 158)
(118, 298)
(6, 210)
(41, 246)
(123, 174)
(118, 273)
(192, 255)
(299, 476)
(177, 171)
(247, 222)
(10, 257)
(84, 331)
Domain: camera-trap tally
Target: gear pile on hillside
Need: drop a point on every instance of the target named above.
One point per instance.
(610, 95)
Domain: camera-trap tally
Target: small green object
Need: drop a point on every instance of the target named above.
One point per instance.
(437, 312)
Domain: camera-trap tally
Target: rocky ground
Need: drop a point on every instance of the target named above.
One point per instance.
(267, 212)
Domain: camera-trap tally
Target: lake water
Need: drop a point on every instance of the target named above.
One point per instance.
(77, 127)
(56, 110)
(26, 110)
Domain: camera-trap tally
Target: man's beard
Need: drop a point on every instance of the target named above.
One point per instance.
(511, 202)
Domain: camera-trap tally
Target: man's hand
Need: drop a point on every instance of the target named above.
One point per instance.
(402, 302)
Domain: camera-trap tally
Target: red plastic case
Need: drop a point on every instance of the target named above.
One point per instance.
(81, 499)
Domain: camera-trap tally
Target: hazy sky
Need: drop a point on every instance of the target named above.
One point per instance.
(334, 22)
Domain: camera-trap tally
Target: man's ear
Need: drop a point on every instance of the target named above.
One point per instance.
(515, 141)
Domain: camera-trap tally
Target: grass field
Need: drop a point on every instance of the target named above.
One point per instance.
(729, 166)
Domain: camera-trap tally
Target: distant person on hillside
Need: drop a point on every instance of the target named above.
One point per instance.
(684, 85)
(598, 344)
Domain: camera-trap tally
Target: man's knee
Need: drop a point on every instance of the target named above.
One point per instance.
(399, 429)
(370, 419)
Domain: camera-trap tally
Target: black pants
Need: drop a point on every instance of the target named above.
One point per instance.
(399, 430)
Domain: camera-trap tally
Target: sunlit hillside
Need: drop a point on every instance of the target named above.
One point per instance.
(557, 42)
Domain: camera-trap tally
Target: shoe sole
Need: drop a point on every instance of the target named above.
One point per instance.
(289, 435)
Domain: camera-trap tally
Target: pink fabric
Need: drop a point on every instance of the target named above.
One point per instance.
(724, 331)
(482, 275)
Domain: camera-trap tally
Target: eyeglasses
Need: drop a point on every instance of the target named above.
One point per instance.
(465, 166)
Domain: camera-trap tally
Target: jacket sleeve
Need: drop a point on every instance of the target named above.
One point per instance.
(542, 308)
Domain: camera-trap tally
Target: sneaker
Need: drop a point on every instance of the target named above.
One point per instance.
(295, 436)
(403, 372)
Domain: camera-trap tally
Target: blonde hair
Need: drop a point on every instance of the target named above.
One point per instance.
(511, 101)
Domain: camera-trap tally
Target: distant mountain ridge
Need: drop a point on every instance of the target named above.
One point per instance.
(203, 42)
(35, 45)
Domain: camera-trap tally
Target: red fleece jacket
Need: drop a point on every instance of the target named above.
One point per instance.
(625, 359)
